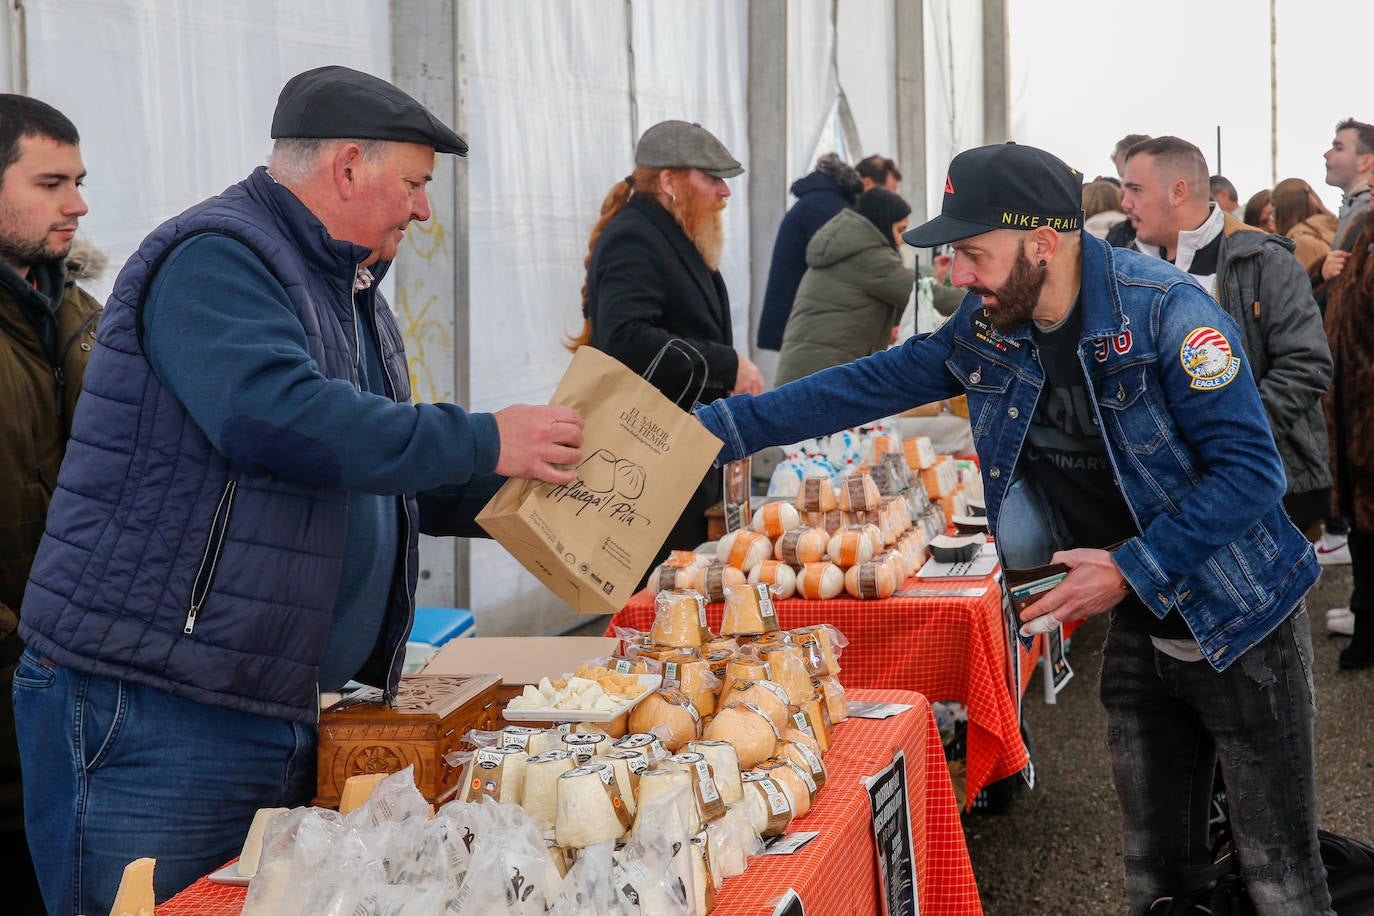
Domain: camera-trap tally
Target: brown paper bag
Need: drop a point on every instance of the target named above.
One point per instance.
(592, 540)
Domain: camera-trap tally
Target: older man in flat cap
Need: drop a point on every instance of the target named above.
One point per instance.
(653, 274)
(235, 526)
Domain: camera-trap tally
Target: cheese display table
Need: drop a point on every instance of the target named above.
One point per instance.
(837, 871)
(944, 638)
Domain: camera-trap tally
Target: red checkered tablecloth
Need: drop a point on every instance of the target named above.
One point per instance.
(947, 647)
(835, 873)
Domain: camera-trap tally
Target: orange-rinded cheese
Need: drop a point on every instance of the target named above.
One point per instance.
(773, 519)
(816, 495)
(743, 549)
(870, 580)
(850, 547)
(801, 545)
(748, 729)
(679, 619)
(858, 493)
(748, 610)
(780, 578)
(820, 581)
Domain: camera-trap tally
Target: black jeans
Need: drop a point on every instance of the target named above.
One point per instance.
(1168, 723)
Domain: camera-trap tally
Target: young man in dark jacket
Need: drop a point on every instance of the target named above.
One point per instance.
(235, 526)
(1263, 287)
(47, 326)
(820, 195)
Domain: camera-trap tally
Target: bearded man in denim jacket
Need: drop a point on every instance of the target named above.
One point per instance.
(1116, 419)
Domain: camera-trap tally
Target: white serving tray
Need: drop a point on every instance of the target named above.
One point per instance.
(649, 683)
(229, 874)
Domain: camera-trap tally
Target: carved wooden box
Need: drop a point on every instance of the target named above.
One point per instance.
(362, 734)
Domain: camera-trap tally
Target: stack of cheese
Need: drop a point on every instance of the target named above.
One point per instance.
(852, 540)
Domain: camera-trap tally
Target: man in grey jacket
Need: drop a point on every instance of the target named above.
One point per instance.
(1260, 284)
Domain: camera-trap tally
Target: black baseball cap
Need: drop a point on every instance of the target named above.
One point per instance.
(336, 102)
(680, 145)
(1003, 186)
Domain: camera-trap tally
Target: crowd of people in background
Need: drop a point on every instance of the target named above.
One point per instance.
(1333, 250)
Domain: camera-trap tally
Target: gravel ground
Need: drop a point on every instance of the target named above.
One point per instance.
(1056, 851)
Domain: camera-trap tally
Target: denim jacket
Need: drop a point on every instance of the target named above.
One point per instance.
(1179, 412)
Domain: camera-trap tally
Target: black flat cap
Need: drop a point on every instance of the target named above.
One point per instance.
(679, 145)
(336, 102)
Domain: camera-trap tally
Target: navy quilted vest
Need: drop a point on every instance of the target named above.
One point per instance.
(164, 564)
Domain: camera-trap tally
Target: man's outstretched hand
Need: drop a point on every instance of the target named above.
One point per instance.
(535, 441)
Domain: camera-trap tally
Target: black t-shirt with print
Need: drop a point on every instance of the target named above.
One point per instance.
(1064, 455)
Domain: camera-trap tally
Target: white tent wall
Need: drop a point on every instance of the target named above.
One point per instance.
(866, 59)
(549, 124)
(173, 98)
(954, 88)
(552, 132)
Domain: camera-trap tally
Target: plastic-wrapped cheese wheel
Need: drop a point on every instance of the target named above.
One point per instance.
(748, 729)
(767, 803)
(834, 699)
(820, 581)
(680, 809)
(817, 649)
(870, 580)
(744, 667)
(744, 549)
(748, 610)
(787, 669)
(496, 772)
(816, 495)
(772, 519)
(801, 545)
(665, 577)
(712, 580)
(679, 619)
(858, 493)
(799, 748)
(780, 578)
(692, 675)
(724, 765)
(850, 547)
(591, 807)
(672, 711)
(766, 695)
(791, 777)
(541, 784)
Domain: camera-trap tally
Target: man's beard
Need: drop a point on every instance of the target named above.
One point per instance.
(699, 215)
(17, 250)
(1018, 297)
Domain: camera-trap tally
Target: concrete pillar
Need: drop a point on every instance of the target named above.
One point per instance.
(768, 178)
(431, 298)
(996, 73)
(909, 31)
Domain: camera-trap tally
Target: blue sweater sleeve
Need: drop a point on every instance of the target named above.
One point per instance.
(221, 333)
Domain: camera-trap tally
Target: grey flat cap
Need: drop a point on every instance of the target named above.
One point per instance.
(336, 102)
(679, 145)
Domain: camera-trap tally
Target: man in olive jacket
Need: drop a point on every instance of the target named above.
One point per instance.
(854, 290)
(47, 327)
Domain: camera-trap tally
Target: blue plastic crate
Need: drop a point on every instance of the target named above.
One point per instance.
(437, 625)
